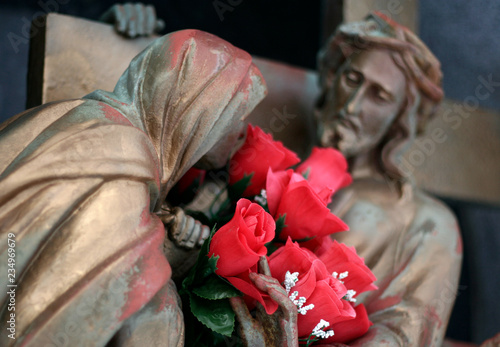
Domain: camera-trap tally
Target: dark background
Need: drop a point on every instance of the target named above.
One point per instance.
(464, 35)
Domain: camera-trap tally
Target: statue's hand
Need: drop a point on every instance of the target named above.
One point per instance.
(133, 20)
(184, 231)
(278, 329)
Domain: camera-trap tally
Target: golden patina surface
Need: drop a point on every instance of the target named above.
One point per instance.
(380, 87)
(83, 181)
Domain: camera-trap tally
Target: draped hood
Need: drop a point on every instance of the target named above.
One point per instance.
(186, 90)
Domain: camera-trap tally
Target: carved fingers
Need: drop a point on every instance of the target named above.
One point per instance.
(281, 327)
(133, 20)
(251, 331)
(185, 231)
(268, 284)
(284, 321)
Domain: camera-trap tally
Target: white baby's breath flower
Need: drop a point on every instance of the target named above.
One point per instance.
(322, 324)
(263, 193)
(300, 303)
(290, 280)
(340, 276)
(320, 332)
(262, 197)
(350, 295)
(343, 275)
(303, 309)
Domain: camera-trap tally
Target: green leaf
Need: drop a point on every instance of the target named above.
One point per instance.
(305, 239)
(216, 288)
(214, 314)
(203, 268)
(208, 267)
(235, 191)
(271, 247)
(280, 224)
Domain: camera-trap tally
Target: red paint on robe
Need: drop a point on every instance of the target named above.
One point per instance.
(113, 115)
(145, 217)
(434, 317)
(152, 274)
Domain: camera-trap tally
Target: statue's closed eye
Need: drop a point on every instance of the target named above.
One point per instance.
(381, 95)
(353, 78)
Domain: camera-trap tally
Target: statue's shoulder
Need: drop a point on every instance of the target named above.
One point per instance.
(429, 207)
(433, 219)
(411, 213)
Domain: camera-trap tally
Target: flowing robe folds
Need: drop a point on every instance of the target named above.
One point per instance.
(81, 182)
(413, 246)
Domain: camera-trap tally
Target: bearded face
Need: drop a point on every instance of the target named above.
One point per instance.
(360, 102)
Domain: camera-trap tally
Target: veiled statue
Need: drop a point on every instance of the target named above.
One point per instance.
(83, 185)
(380, 86)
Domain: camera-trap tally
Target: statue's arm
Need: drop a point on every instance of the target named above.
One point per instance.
(414, 306)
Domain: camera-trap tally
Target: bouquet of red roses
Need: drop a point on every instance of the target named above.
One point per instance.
(281, 213)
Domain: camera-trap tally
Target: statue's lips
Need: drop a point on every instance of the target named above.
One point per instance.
(337, 134)
(345, 125)
(338, 129)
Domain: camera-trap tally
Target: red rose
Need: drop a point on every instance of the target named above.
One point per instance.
(289, 194)
(340, 258)
(239, 244)
(314, 283)
(351, 329)
(259, 153)
(318, 245)
(326, 171)
(241, 241)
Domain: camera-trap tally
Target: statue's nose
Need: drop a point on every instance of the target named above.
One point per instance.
(353, 104)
